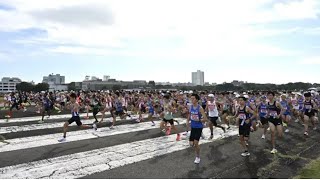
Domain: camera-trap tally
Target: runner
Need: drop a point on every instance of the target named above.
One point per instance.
(286, 117)
(212, 110)
(46, 107)
(308, 112)
(275, 112)
(95, 105)
(151, 110)
(197, 117)
(14, 105)
(263, 111)
(244, 123)
(74, 106)
(168, 117)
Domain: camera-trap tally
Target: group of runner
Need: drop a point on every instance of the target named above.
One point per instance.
(248, 111)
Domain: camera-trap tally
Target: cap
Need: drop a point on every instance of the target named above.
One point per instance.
(210, 95)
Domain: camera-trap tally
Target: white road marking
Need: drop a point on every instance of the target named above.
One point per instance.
(32, 127)
(87, 163)
(37, 118)
(51, 139)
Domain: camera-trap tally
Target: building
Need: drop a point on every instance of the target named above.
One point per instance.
(237, 83)
(198, 78)
(111, 83)
(56, 79)
(57, 87)
(106, 78)
(9, 84)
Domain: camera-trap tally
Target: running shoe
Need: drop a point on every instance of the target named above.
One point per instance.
(306, 134)
(197, 160)
(245, 154)
(94, 126)
(274, 151)
(287, 130)
(112, 127)
(263, 136)
(211, 137)
(62, 140)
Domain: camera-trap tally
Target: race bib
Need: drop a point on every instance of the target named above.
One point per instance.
(263, 111)
(242, 116)
(195, 117)
(308, 107)
(273, 113)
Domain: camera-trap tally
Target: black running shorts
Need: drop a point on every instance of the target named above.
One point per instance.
(195, 134)
(244, 130)
(75, 119)
(169, 121)
(213, 120)
(275, 122)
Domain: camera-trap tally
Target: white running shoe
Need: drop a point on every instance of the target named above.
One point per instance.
(274, 151)
(197, 161)
(138, 120)
(112, 127)
(25, 109)
(62, 140)
(287, 130)
(40, 121)
(94, 126)
(297, 120)
(268, 129)
(306, 134)
(263, 137)
(245, 154)
(153, 124)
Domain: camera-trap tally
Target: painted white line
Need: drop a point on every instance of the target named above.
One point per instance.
(51, 139)
(37, 118)
(32, 127)
(87, 163)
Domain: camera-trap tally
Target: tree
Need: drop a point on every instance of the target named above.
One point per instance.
(41, 87)
(25, 86)
(72, 86)
(152, 83)
(116, 87)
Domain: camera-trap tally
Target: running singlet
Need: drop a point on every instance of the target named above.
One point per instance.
(195, 117)
(263, 110)
(74, 113)
(119, 106)
(243, 116)
(273, 110)
(301, 103)
(308, 106)
(213, 110)
(285, 107)
(167, 113)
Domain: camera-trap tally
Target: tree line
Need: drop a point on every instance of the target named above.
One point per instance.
(298, 86)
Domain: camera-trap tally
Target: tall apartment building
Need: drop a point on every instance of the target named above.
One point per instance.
(198, 78)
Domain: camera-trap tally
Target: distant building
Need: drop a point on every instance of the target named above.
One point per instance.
(106, 78)
(198, 78)
(237, 83)
(87, 78)
(8, 84)
(106, 85)
(56, 79)
(94, 78)
(57, 87)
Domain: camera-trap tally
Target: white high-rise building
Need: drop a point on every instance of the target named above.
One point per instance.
(198, 78)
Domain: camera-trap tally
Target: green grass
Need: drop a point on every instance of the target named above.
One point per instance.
(311, 171)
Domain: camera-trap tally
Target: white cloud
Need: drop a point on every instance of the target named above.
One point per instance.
(311, 61)
(207, 28)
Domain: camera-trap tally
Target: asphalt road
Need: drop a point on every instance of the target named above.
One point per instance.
(219, 158)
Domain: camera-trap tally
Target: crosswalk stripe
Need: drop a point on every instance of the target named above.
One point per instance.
(51, 139)
(37, 118)
(87, 163)
(13, 129)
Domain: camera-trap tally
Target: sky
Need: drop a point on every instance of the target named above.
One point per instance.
(259, 41)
